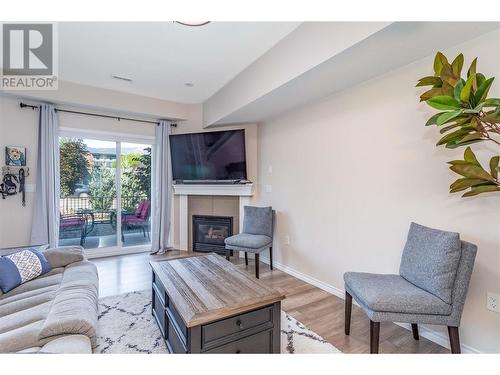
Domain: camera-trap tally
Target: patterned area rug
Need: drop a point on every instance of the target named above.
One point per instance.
(127, 326)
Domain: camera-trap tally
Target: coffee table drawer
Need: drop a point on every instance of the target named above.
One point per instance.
(158, 287)
(236, 324)
(261, 342)
(159, 312)
(173, 338)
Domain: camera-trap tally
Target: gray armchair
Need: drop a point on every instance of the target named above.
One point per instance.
(431, 287)
(257, 235)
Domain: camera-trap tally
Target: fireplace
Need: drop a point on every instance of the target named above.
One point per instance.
(209, 232)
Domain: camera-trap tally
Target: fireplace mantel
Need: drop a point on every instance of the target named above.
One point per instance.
(244, 192)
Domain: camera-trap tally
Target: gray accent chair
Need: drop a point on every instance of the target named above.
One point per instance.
(431, 287)
(257, 235)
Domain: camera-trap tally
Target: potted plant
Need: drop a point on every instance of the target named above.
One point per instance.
(466, 116)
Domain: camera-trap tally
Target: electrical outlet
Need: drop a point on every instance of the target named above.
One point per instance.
(493, 302)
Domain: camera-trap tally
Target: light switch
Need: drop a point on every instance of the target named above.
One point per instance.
(269, 188)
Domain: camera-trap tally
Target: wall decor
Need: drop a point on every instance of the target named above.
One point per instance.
(15, 156)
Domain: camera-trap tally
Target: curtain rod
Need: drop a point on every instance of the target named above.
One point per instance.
(24, 105)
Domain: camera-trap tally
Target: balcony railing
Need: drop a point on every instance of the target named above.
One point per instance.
(98, 205)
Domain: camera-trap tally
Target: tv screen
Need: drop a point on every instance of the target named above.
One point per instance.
(218, 155)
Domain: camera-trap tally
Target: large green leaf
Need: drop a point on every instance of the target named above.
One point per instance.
(492, 102)
(465, 93)
(464, 126)
(475, 190)
(430, 81)
(455, 137)
(494, 166)
(431, 93)
(470, 157)
(443, 103)
(458, 89)
(480, 78)
(461, 143)
(447, 117)
(458, 162)
(491, 116)
(457, 65)
(439, 61)
(464, 183)
(472, 68)
(448, 76)
(482, 90)
(472, 171)
(433, 119)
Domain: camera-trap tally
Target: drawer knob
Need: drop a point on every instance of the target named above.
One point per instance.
(238, 351)
(239, 324)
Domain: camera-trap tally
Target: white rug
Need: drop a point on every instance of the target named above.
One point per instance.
(127, 326)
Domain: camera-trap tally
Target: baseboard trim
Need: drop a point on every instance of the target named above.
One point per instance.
(429, 334)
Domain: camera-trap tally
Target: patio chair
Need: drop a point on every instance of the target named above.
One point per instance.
(74, 223)
(138, 219)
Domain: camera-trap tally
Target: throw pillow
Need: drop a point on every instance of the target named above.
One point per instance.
(430, 260)
(20, 267)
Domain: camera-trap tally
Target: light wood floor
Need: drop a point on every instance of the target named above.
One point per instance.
(320, 311)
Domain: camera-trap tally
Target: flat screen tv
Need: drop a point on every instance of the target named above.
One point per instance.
(211, 156)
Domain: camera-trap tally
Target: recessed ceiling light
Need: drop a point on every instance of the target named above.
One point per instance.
(121, 78)
(189, 84)
(193, 23)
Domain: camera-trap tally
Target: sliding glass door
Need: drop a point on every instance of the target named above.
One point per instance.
(105, 203)
(135, 194)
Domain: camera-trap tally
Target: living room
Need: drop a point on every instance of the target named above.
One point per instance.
(250, 187)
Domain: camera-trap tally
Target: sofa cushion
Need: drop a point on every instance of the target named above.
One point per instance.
(392, 293)
(20, 267)
(258, 220)
(430, 260)
(63, 256)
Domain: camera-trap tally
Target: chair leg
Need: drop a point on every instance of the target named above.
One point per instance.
(454, 340)
(228, 253)
(374, 336)
(246, 258)
(414, 329)
(257, 265)
(348, 310)
(271, 257)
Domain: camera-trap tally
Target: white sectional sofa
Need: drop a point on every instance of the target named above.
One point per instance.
(54, 313)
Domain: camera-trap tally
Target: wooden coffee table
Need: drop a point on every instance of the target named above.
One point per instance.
(205, 304)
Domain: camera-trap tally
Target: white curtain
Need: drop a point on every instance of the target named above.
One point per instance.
(162, 189)
(45, 225)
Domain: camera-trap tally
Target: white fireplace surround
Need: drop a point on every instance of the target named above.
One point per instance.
(243, 191)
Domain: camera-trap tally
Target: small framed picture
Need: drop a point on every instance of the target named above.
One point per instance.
(15, 155)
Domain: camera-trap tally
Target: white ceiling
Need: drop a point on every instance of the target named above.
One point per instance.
(162, 57)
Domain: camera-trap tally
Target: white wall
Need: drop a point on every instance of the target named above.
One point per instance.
(350, 172)
(17, 128)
